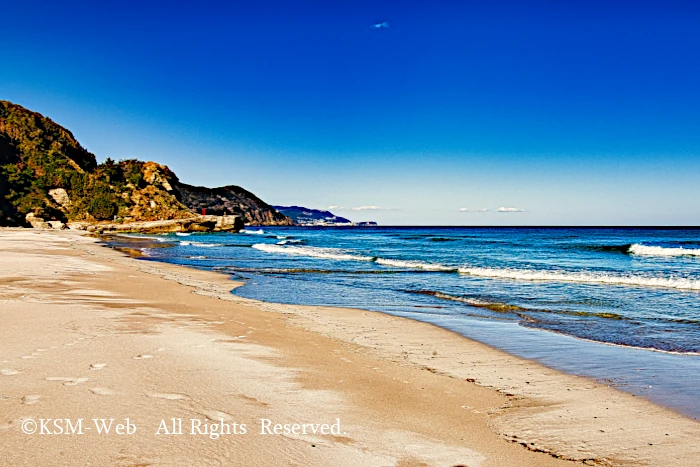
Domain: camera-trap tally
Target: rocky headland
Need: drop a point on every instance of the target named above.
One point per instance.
(48, 180)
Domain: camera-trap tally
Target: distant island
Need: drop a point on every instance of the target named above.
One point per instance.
(316, 217)
(48, 180)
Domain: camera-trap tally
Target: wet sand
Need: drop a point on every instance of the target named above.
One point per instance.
(90, 333)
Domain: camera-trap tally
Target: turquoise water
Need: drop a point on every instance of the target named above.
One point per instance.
(554, 295)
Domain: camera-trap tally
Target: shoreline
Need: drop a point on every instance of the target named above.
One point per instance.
(509, 402)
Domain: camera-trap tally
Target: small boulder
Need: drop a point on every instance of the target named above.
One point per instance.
(36, 222)
(77, 225)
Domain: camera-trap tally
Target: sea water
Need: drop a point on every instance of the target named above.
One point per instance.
(621, 305)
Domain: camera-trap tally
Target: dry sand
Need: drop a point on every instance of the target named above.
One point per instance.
(89, 333)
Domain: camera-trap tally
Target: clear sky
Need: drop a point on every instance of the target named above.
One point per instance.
(575, 112)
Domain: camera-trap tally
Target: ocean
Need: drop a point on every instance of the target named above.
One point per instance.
(620, 305)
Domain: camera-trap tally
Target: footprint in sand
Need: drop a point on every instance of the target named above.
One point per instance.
(102, 391)
(8, 372)
(143, 357)
(216, 416)
(29, 400)
(98, 366)
(67, 381)
(170, 397)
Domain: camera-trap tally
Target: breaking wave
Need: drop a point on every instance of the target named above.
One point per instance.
(585, 277)
(200, 244)
(254, 232)
(398, 263)
(342, 255)
(143, 237)
(284, 242)
(314, 252)
(644, 250)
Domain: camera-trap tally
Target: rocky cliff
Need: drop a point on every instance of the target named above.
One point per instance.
(231, 200)
(46, 175)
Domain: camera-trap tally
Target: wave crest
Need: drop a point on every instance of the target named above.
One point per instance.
(586, 277)
(142, 237)
(399, 263)
(644, 250)
(285, 242)
(314, 252)
(199, 244)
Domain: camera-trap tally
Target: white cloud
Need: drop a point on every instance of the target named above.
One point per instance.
(474, 210)
(367, 208)
(362, 208)
(382, 25)
(502, 209)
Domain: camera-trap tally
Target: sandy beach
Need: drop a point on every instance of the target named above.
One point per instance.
(91, 334)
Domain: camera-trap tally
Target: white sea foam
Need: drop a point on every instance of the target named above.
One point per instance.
(199, 244)
(314, 252)
(645, 250)
(143, 237)
(494, 273)
(399, 263)
(343, 255)
(586, 277)
(254, 232)
(182, 234)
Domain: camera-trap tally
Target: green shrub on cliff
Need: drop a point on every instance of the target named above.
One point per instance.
(101, 207)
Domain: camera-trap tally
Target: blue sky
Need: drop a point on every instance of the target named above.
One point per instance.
(573, 113)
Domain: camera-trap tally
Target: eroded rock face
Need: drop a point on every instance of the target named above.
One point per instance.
(60, 195)
(158, 175)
